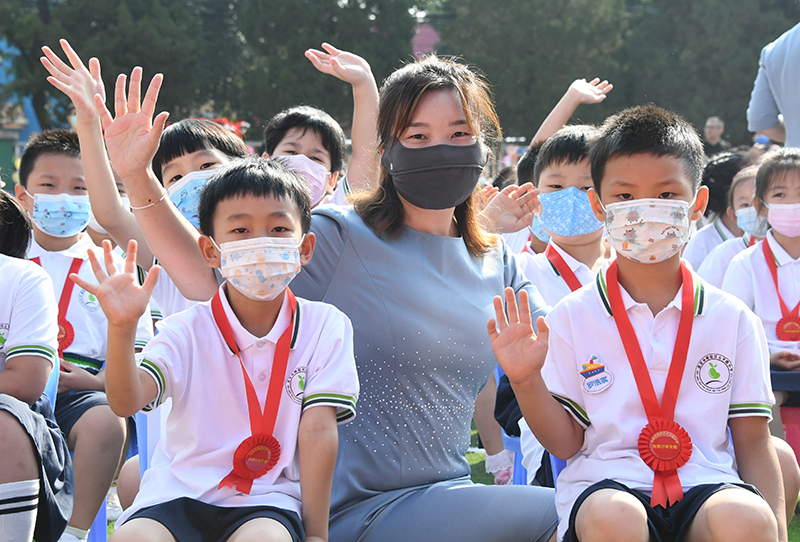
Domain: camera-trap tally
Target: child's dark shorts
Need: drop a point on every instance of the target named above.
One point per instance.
(73, 404)
(665, 524)
(190, 520)
(56, 487)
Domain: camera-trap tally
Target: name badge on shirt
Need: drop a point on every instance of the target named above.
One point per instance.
(596, 377)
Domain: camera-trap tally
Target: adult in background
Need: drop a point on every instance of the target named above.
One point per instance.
(774, 109)
(713, 143)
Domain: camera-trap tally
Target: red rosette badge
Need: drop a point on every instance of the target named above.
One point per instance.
(65, 334)
(788, 329)
(252, 459)
(665, 446)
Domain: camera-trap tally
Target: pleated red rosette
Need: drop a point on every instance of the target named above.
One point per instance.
(253, 458)
(665, 446)
(788, 328)
(66, 334)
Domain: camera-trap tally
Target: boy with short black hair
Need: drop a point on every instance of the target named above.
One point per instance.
(253, 344)
(644, 462)
(53, 191)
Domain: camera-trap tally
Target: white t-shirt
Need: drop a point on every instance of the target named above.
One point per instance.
(726, 375)
(190, 362)
(748, 278)
(714, 267)
(168, 298)
(88, 348)
(704, 240)
(28, 312)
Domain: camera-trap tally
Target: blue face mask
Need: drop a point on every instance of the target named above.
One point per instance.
(749, 221)
(61, 215)
(538, 231)
(568, 213)
(185, 194)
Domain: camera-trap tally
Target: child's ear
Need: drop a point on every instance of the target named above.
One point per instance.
(731, 214)
(758, 203)
(307, 248)
(265, 154)
(597, 206)
(210, 253)
(331, 184)
(700, 202)
(23, 198)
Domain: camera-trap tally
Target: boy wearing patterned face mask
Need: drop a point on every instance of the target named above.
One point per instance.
(53, 191)
(253, 344)
(632, 381)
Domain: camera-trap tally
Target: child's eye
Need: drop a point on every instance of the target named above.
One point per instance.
(778, 195)
(239, 230)
(280, 229)
(625, 196)
(209, 165)
(665, 195)
(175, 179)
(586, 188)
(556, 186)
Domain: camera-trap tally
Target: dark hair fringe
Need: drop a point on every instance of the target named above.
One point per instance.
(569, 145)
(306, 117)
(48, 142)
(718, 174)
(773, 166)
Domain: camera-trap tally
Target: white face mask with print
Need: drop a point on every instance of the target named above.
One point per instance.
(648, 230)
(262, 267)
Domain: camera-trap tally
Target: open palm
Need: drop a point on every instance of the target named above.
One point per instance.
(77, 82)
(346, 66)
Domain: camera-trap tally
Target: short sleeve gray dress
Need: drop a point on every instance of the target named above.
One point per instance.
(419, 306)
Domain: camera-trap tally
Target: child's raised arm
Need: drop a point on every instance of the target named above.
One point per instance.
(317, 442)
(579, 92)
(362, 172)
(81, 85)
(123, 301)
(521, 355)
(132, 138)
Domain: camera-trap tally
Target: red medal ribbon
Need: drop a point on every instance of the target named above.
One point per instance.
(66, 334)
(562, 267)
(788, 327)
(260, 452)
(663, 444)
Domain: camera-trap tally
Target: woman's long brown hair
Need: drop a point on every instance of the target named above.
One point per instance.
(382, 209)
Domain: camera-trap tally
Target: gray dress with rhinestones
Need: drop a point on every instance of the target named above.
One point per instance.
(419, 306)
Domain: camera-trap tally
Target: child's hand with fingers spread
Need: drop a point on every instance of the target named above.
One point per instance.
(591, 92)
(122, 299)
(132, 135)
(512, 208)
(77, 82)
(346, 66)
(519, 352)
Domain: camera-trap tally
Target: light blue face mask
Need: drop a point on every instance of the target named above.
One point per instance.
(61, 215)
(185, 194)
(568, 213)
(751, 222)
(538, 231)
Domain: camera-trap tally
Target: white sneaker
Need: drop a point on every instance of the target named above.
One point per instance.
(113, 508)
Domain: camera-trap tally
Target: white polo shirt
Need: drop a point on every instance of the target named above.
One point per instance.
(704, 240)
(543, 274)
(519, 241)
(28, 312)
(168, 297)
(191, 363)
(726, 375)
(714, 267)
(748, 278)
(88, 349)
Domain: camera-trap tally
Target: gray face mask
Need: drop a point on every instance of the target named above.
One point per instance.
(438, 177)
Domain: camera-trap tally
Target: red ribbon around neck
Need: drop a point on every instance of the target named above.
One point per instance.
(66, 334)
(663, 444)
(260, 452)
(788, 327)
(562, 267)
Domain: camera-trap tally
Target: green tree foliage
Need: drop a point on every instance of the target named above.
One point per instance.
(277, 33)
(531, 50)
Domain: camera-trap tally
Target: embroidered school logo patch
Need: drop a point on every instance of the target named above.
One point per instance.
(3, 334)
(596, 377)
(88, 301)
(296, 385)
(714, 373)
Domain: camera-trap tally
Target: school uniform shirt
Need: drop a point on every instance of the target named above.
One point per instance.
(704, 240)
(28, 312)
(538, 269)
(190, 362)
(726, 375)
(748, 278)
(519, 241)
(88, 348)
(714, 267)
(167, 297)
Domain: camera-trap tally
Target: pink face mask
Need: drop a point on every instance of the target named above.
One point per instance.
(315, 173)
(785, 218)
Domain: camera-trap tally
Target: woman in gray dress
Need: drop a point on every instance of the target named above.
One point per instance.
(414, 271)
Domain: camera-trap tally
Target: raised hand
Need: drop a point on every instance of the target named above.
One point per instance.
(346, 66)
(132, 135)
(519, 352)
(122, 299)
(77, 82)
(512, 208)
(593, 92)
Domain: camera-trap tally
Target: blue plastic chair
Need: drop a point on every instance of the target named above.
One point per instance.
(512, 444)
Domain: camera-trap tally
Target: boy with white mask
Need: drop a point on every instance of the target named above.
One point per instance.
(53, 191)
(294, 356)
(636, 379)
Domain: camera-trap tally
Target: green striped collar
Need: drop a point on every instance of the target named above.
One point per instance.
(699, 293)
(718, 225)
